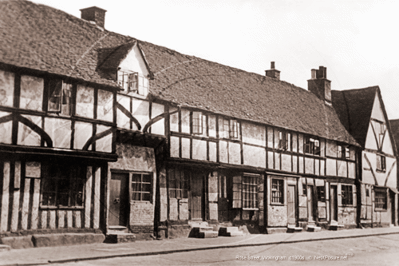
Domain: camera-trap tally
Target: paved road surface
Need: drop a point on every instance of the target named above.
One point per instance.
(376, 250)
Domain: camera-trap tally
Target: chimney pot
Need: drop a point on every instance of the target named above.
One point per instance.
(272, 72)
(314, 72)
(94, 14)
(320, 85)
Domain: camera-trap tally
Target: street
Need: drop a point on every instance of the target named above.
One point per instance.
(375, 250)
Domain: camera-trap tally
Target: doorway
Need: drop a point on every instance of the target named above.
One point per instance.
(334, 203)
(392, 200)
(310, 204)
(118, 199)
(291, 210)
(223, 201)
(196, 199)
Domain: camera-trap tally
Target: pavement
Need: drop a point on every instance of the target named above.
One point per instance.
(65, 254)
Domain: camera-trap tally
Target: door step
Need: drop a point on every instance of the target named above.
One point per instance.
(335, 227)
(313, 228)
(203, 232)
(120, 238)
(115, 229)
(230, 231)
(294, 229)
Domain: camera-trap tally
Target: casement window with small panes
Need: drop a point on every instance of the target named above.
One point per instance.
(141, 187)
(347, 194)
(198, 125)
(245, 189)
(381, 163)
(380, 199)
(312, 146)
(133, 82)
(278, 191)
(343, 152)
(284, 141)
(178, 183)
(229, 129)
(59, 99)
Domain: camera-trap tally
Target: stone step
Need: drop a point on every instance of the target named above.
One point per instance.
(120, 237)
(294, 229)
(207, 234)
(335, 227)
(114, 229)
(195, 231)
(313, 228)
(4, 248)
(230, 231)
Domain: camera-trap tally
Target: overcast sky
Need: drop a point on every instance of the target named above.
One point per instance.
(357, 41)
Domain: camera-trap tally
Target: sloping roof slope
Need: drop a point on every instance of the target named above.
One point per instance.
(43, 38)
(395, 130)
(354, 110)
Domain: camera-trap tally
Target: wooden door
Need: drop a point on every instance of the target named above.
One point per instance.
(118, 200)
(223, 201)
(310, 203)
(334, 203)
(291, 205)
(196, 199)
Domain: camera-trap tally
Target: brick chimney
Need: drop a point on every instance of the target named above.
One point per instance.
(320, 85)
(94, 14)
(272, 72)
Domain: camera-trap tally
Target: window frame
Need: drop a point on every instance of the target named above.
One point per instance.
(381, 163)
(275, 190)
(197, 122)
(180, 184)
(65, 93)
(74, 175)
(242, 198)
(141, 184)
(380, 199)
(345, 191)
(311, 145)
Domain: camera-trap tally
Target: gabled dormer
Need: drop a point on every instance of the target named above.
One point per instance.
(127, 66)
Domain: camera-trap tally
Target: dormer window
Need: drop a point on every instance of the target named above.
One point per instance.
(133, 82)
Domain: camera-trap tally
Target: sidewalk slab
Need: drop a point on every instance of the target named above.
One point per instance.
(48, 255)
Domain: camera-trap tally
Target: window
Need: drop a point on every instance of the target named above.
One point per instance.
(85, 101)
(347, 195)
(59, 97)
(62, 186)
(178, 183)
(284, 140)
(249, 191)
(381, 163)
(141, 187)
(234, 129)
(321, 196)
(197, 123)
(133, 82)
(312, 146)
(6, 88)
(380, 199)
(229, 128)
(278, 191)
(343, 152)
(31, 95)
(245, 189)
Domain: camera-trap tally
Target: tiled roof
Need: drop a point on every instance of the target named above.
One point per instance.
(43, 38)
(395, 130)
(354, 109)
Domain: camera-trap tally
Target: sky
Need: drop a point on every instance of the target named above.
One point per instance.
(358, 41)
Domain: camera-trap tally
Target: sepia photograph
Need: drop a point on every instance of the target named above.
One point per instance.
(199, 132)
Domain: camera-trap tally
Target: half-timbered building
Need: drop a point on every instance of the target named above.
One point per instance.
(363, 113)
(101, 131)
